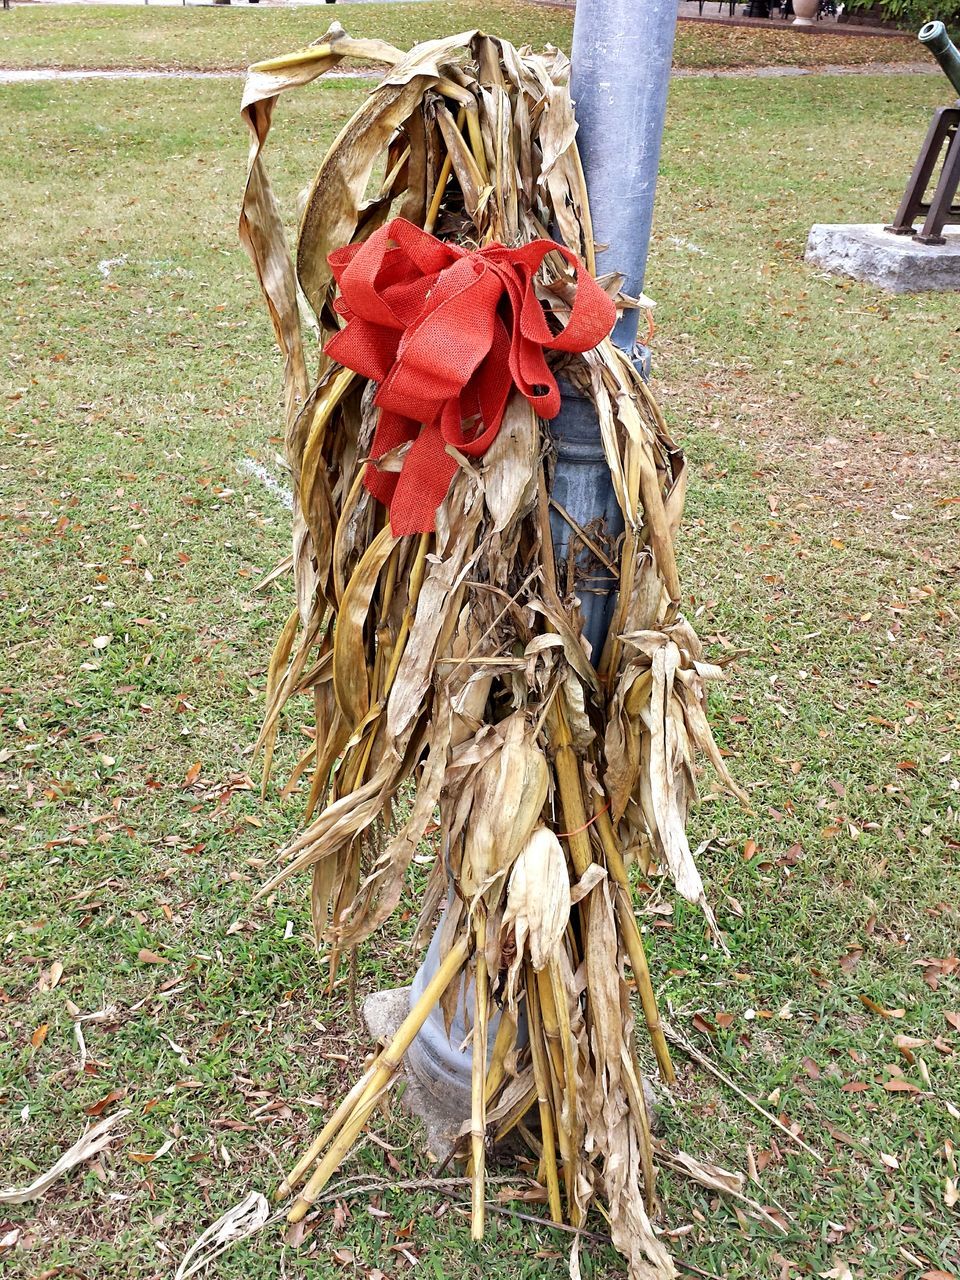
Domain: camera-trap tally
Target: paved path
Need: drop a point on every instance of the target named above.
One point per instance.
(33, 75)
(201, 4)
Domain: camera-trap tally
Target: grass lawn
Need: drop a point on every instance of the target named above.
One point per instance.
(142, 395)
(219, 38)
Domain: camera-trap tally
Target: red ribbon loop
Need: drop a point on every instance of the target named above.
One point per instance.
(448, 333)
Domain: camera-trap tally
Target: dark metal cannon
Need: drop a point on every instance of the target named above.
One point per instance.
(942, 140)
(934, 36)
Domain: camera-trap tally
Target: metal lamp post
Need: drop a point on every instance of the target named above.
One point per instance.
(622, 53)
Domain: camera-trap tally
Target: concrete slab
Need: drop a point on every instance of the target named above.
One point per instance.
(441, 1114)
(895, 263)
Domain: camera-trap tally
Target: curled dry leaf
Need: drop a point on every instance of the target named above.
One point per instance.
(50, 978)
(90, 1144)
(240, 1221)
(9, 1239)
(509, 793)
(148, 1157)
(98, 1108)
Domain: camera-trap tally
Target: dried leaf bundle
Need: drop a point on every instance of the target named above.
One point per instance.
(454, 661)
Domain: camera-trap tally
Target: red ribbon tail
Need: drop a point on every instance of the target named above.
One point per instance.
(422, 484)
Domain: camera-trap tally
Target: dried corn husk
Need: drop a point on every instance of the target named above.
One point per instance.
(538, 900)
(453, 662)
(510, 791)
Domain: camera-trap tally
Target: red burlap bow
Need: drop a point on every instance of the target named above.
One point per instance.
(448, 333)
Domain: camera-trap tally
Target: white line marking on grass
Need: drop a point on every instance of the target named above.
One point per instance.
(106, 265)
(250, 467)
(685, 244)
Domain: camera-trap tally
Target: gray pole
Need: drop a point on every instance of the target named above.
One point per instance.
(622, 50)
(621, 71)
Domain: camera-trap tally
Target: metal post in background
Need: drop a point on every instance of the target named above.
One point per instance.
(622, 51)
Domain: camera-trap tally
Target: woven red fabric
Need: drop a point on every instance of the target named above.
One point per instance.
(448, 333)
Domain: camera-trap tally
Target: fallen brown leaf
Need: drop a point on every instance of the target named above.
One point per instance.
(193, 773)
(99, 1107)
(874, 1007)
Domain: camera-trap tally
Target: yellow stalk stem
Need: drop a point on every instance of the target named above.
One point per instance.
(478, 1119)
(544, 1100)
(296, 1174)
(634, 944)
(383, 1072)
(503, 1044)
(549, 1022)
(445, 170)
(476, 143)
(648, 999)
(564, 1080)
(571, 795)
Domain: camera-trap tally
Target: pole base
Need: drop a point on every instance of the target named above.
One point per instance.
(440, 1110)
(440, 1105)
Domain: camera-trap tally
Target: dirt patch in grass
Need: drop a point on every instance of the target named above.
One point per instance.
(837, 464)
(708, 45)
(871, 471)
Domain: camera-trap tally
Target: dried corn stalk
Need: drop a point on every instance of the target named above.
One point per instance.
(454, 661)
